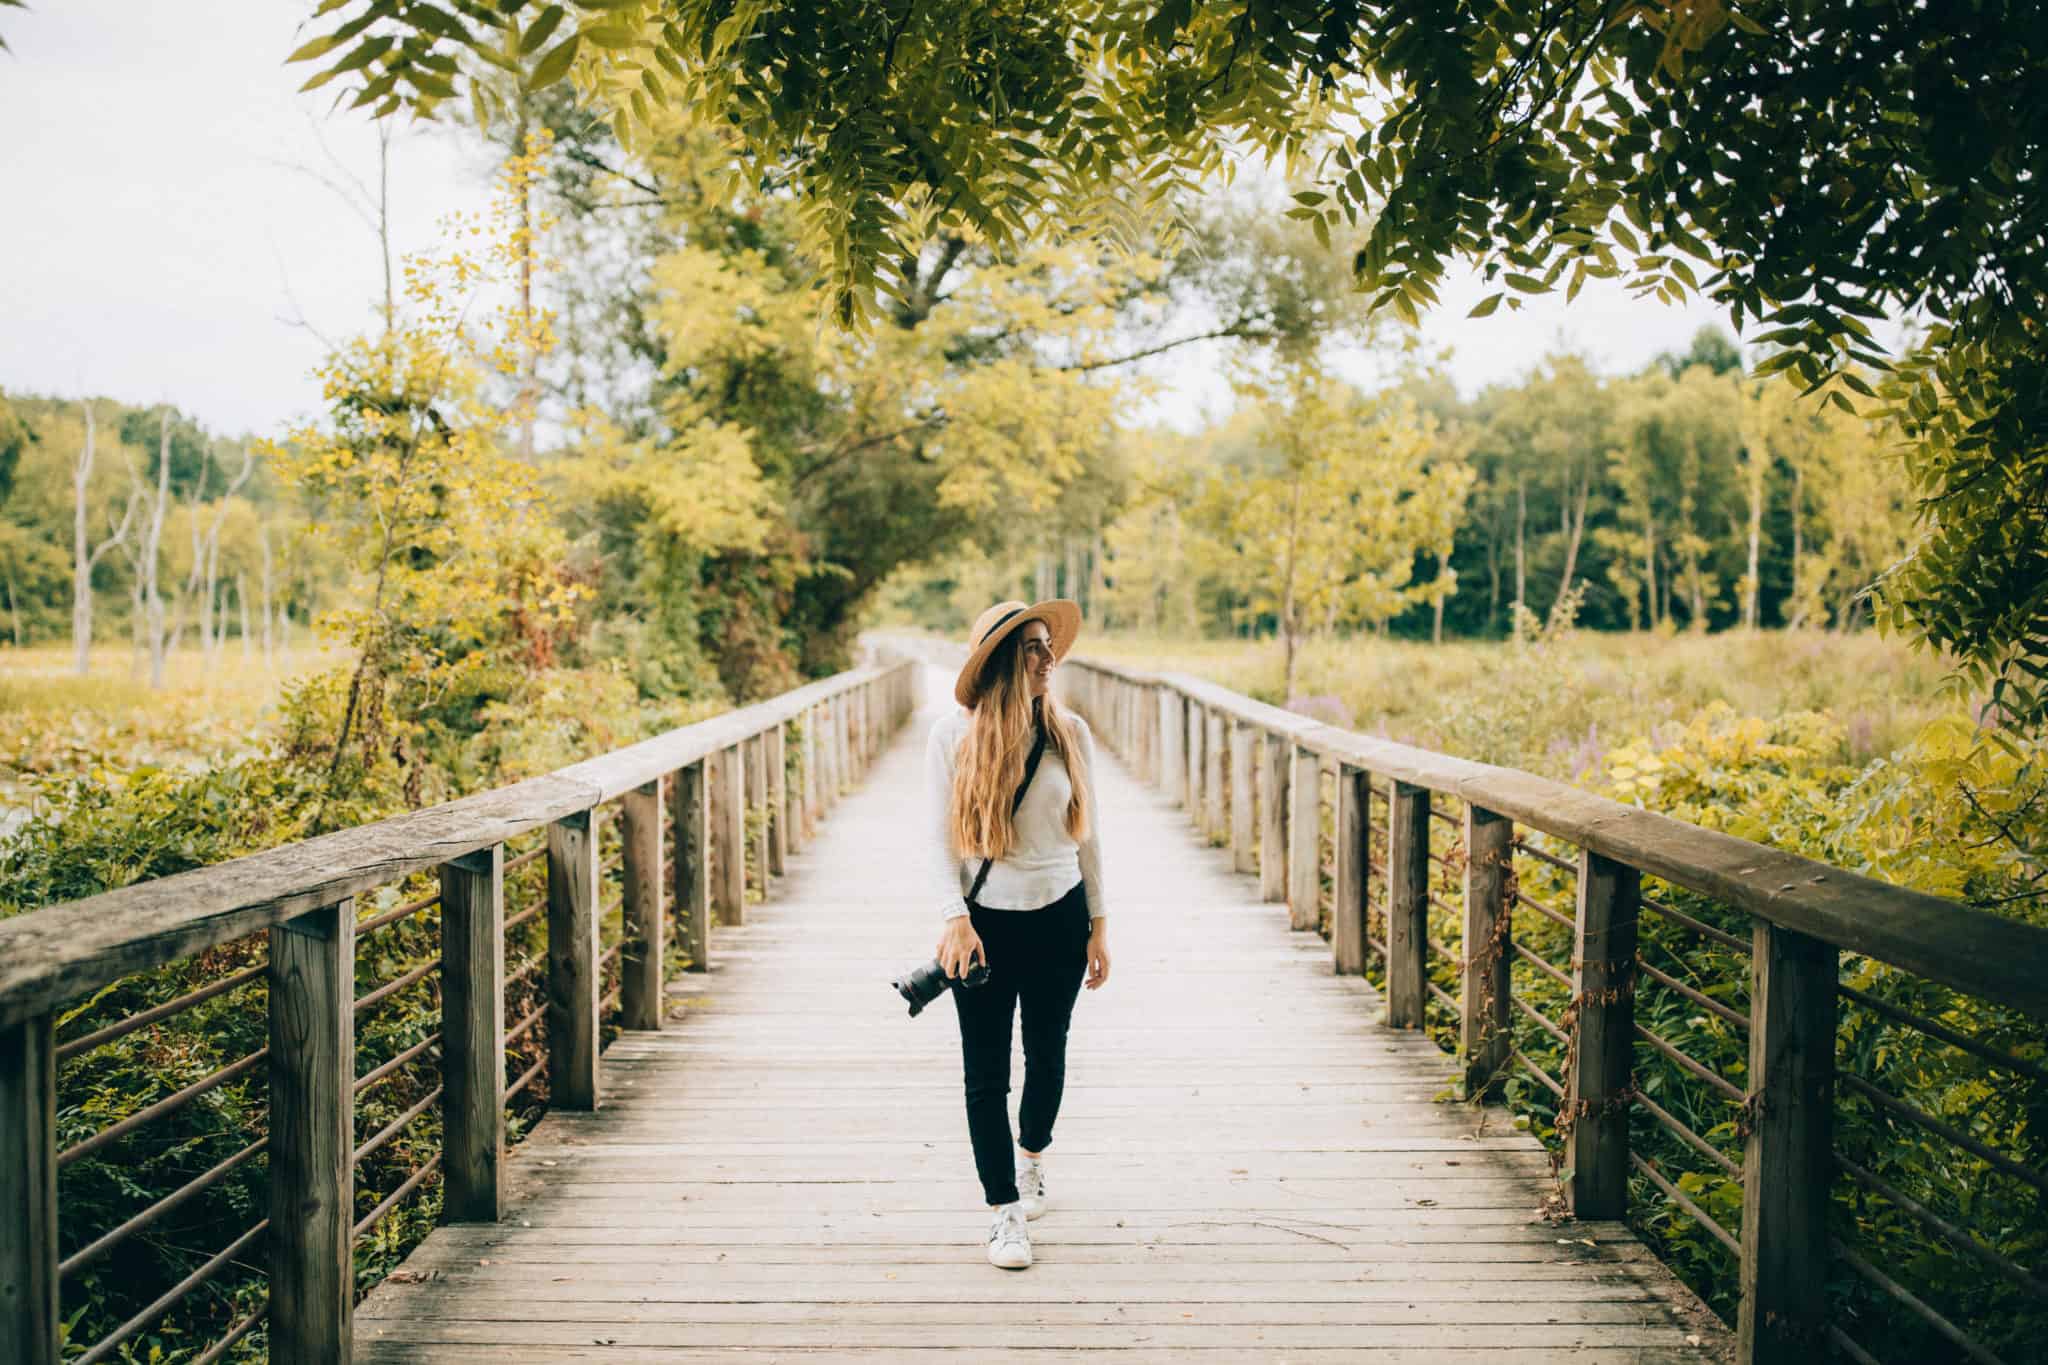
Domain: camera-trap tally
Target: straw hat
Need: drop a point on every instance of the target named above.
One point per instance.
(1061, 617)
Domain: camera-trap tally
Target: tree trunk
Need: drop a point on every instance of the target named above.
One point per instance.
(242, 606)
(1650, 570)
(1521, 537)
(1575, 532)
(1751, 583)
(1436, 626)
(81, 557)
(13, 611)
(269, 640)
(152, 553)
(1798, 545)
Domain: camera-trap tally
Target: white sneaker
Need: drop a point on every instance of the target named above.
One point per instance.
(1009, 1240)
(1031, 1187)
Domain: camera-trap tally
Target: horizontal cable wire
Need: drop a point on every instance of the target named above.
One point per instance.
(1912, 1303)
(1961, 1237)
(1934, 1125)
(1561, 864)
(390, 1201)
(1700, 927)
(371, 1078)
(526, 1078)
(144, 1018)
(1678, 1197)
(376, 922)
(113, 1237)
(1692, 1139)
(397, 984)
(1713, 1078)
(167, 1105)
(105, 1347)
(2004, 1060)
(1704, 1001)
(1538, 1072)
(391, 1129)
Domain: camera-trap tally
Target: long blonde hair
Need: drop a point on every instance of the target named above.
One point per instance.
(991, 759)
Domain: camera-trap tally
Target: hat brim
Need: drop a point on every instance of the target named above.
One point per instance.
(1062, 620)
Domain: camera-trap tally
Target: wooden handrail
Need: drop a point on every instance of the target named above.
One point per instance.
(63, 951)
(302, 895)
(1981, 954)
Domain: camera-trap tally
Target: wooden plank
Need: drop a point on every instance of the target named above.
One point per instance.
(28, 1193)
(1407, 905)
(312, 1138)
(1485, 1022)
(1243, 801)
(1787, 1166)
(809, 817)
(690, 795)
(1347, 906)
(728, 836)
(756, 750)
(472, 1053)
(1304, 841)
(572, 962)
(1215, 823)
(1597, 1091)
(645, 917)
(1198, 738)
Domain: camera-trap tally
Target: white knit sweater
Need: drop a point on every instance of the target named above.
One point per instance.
(1045, 862)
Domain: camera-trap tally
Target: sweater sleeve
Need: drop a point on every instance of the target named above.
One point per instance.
(1091, 847)
(939, 756)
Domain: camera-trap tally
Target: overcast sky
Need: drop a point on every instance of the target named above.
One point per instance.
(162, 238)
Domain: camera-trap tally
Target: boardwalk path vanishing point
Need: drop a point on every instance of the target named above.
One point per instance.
(1247, 1165)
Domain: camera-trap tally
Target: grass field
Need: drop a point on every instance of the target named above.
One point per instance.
(1556, 707)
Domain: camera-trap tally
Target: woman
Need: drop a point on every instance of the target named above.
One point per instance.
(1037, 919)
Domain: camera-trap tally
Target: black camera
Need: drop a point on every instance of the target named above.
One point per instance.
(922, 985)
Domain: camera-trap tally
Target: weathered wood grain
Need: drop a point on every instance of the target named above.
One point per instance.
(1485, 1020)
(1272, 766)
(689, 796)
(645, 918)
(312, 1138)
(28, 1192)
(1215, 753)
(1349, 893)
(1787, 1163)
(1598, 1087)
(1243, 801)
(1407, 905)
(728, 835)
(1173, 743)
(1304, 841)
(472, 1011)
(572, 962)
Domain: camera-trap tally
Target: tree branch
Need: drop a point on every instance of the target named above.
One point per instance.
(1236, 331)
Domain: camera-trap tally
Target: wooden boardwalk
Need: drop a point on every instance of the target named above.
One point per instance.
(1247, 1166)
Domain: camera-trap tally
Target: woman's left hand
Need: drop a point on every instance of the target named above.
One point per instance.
(1098, 954)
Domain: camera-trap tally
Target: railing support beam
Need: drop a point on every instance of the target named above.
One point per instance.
(28, 1192)
(729, 835)
(1173, 743)
(1484, 1026)
(572, 962)
(1272, 766)
(1214, 823)
(472, 1048)
(312, 1137)
(1243, 801)
(1304, 841)
(640, 961)
(1599, 1090)
(692, 815)
(1407, 904)
(1786, 1167)
(1349, 896)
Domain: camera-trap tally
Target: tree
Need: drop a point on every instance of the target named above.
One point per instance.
(1321, 518)
(85, 556)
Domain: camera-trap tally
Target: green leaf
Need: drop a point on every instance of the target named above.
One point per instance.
(556, 64)
(1486, 306)
(319, 47)
(542, 29)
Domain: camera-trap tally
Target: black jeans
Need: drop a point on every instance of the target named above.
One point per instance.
(1036, 959)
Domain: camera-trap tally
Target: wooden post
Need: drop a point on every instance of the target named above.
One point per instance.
(1272, 767)
(729, 835)
(1213, 755)
(28, 1192)
(1198, 731)
(1243, 801)
(693, 860)
(572, 962)
(312, 1135)
(1485, 1025)
(1786, 1169)
(757, 800)
(1347, 908)
(1407, 905)
(472, 1024)
(640, 961)
(842, 776)
(1173, 741)
(778, 801)
(1305, 842)
(1604, 989)
(789, 807)
(813, 718)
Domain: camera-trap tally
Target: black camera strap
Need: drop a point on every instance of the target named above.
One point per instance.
(1016, 804)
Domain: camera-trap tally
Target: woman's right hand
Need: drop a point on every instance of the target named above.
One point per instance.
(959, 946)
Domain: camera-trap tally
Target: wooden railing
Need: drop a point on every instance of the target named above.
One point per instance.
(693, 806)
(1421, 866)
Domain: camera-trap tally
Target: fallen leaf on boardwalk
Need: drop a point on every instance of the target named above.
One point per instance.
(485, 1261)
(1425, 1203)
(410, 1276)
(1692, 1340)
